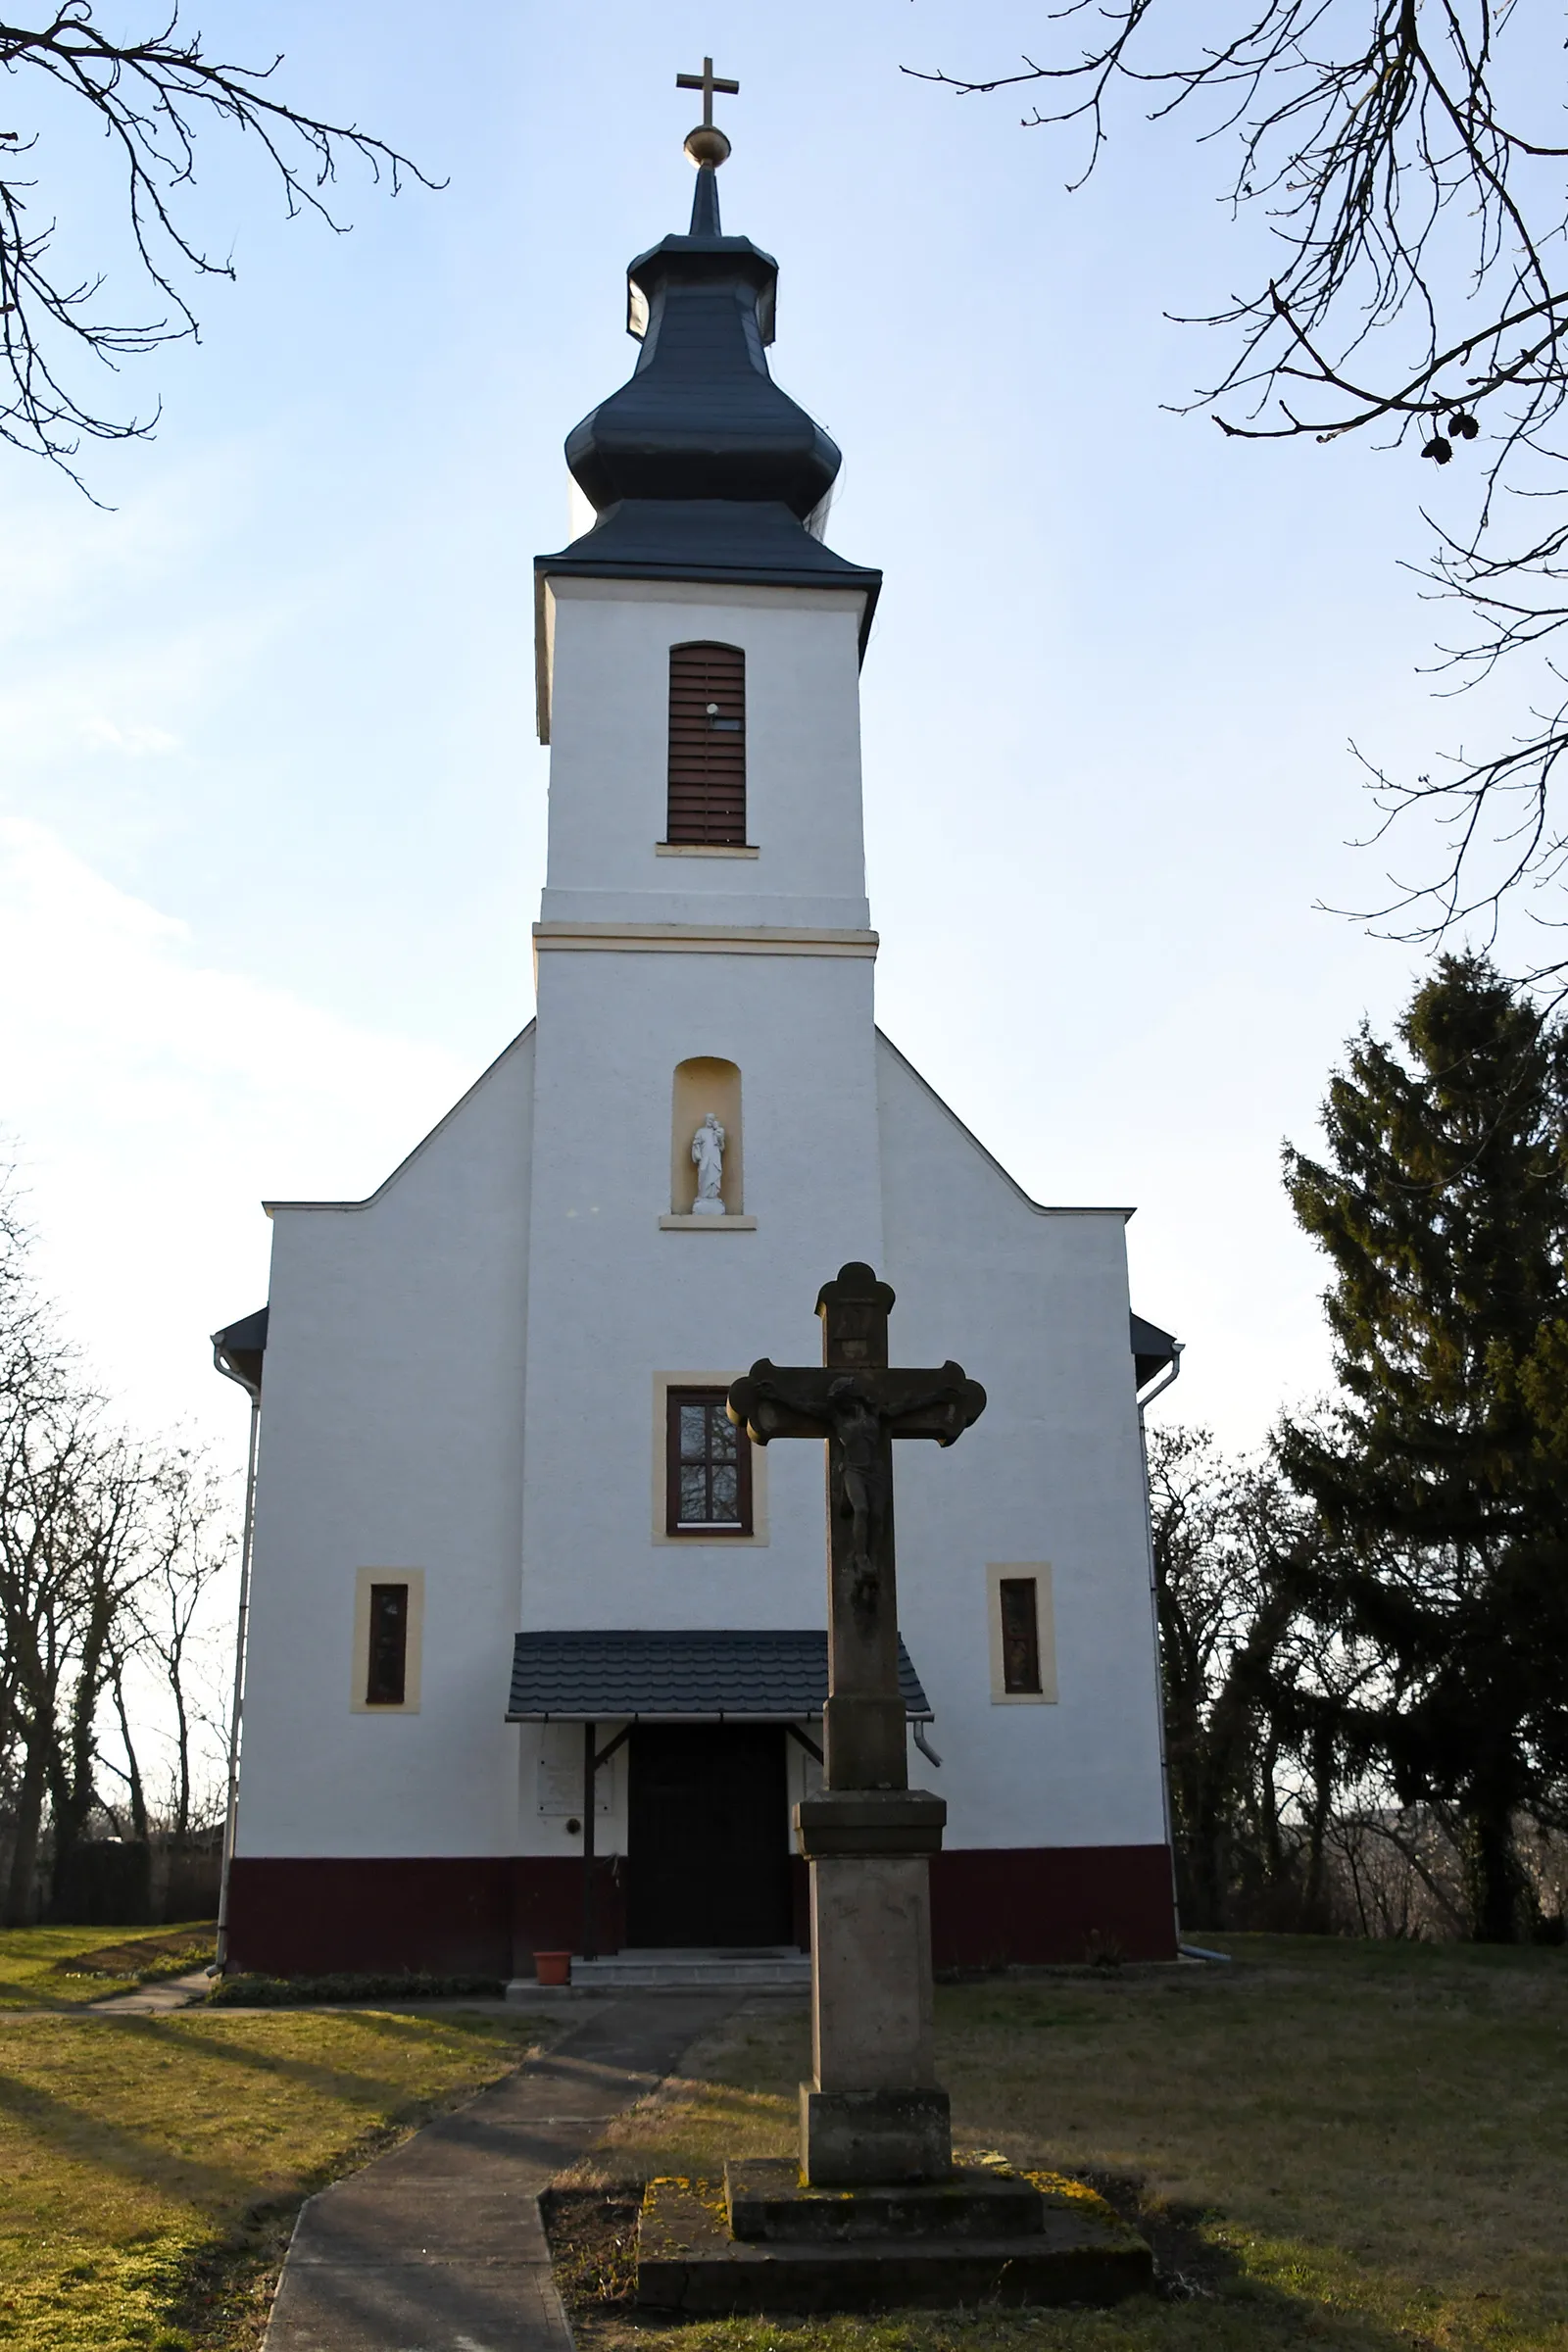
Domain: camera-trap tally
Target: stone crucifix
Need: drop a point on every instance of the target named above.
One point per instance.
(859, 1405)
(873, 2111)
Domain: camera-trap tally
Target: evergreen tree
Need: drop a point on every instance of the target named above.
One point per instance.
(1443, 1209)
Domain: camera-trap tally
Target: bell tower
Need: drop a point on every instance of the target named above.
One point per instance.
(704, 1115)
(698, 650)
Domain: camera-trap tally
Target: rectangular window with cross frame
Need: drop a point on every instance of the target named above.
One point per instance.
(707, 1466)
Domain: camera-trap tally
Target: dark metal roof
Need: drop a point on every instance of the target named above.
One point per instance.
(701, 466)
(589, 1676)
(1152, 1350)
(239, 1349)
(707, 538)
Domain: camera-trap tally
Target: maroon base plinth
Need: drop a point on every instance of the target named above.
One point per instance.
(450, 1915)
(990, 1906)
(475, 1915)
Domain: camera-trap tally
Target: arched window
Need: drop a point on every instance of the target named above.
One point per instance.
(708, 746)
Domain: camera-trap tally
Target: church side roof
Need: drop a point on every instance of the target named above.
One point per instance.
(239, 1348)
(1152, 1350)
(591, 1673)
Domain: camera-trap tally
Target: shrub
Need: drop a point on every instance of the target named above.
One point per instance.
(408, 1985)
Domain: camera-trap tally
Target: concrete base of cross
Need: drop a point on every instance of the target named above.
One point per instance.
(874, 2139)
(873, 2112)
(760, 2240)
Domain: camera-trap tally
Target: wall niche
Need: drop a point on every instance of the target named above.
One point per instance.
(701, 1084)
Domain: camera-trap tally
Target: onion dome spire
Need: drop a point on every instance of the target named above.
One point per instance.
(701, 466)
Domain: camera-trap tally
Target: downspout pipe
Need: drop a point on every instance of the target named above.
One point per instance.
(925, 1745)
(253, 1389)
(1167, 1380)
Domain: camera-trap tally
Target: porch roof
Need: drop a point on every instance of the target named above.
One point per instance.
(590, 1675)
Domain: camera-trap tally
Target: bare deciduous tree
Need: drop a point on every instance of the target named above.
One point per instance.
(1400, 1871)
(190, 1542)
(46, 1462)
(1284, 1723)
(1226, 1537)
(43, 1445)
(108, 1548)
(97, 1547)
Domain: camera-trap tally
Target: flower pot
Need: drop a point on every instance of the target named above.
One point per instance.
(554, 1968)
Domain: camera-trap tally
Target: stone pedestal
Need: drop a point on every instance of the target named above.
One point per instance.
(852, 2138)
(761, 2241)
(873, 2111)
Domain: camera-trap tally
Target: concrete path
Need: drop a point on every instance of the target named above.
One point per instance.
(156, 2000)
(439, 2247)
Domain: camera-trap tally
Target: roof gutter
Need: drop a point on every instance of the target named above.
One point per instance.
(1167, 1380)
(608, 1713)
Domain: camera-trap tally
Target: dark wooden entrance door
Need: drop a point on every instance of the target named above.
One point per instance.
(708, 1851)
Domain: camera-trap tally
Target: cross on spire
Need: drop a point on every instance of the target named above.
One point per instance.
(708, 81)
(706, 146)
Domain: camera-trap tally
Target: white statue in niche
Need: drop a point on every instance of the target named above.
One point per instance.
(708, 1153)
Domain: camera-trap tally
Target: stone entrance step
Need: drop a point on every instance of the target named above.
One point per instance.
(770, 1968)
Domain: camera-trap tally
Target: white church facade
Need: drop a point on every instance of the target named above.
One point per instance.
(501, 1523)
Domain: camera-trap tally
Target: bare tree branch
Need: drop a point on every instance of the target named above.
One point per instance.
(152, 98)
(1406, 158)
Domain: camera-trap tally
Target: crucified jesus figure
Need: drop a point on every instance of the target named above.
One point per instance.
(861, 1406)
(865, 1474)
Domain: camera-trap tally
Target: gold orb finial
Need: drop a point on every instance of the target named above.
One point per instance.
(707, 145)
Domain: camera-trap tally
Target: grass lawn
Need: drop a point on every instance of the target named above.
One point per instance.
(150, 2166)
(61, 1968)
(1336, 2144)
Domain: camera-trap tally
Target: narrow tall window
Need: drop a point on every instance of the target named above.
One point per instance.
(1017, 1598)
(708, 1475)
(387, 1677)
(708, 746)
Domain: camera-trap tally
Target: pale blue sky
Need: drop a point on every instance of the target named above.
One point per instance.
(270, 804)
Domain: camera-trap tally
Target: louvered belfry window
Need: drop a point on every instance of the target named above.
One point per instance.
(708, 745)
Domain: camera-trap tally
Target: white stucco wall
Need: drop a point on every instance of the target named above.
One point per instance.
(1033, 1304)
(614, 1299)
(609, 756)
(391, 1415)
(461, 1372)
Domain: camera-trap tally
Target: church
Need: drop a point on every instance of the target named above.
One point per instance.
(536, 1655)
